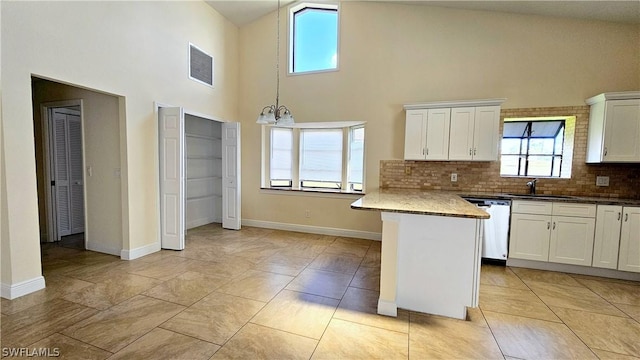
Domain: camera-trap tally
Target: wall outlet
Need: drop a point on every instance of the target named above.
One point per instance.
(602, 181)
(454, 177)
(307, 214)
(407, 170)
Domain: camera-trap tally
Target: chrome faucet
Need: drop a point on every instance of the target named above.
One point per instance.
(532, 186)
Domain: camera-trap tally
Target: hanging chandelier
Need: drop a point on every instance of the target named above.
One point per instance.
(276, 114)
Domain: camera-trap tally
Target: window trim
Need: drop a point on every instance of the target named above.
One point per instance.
(297, 7)
(346, 127)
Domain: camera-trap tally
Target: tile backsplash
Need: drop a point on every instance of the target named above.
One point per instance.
(484, 177)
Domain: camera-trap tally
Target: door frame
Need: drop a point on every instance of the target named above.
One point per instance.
(52, 223)
(156, 106)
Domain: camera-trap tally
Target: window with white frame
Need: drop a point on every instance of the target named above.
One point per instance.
(313, 37)
(315, 156)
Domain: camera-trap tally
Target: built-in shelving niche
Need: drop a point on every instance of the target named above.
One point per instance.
(203, 171)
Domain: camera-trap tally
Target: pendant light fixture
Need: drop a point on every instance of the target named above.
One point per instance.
(276, 114)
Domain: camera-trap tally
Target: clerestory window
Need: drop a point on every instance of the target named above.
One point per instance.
(313, 38)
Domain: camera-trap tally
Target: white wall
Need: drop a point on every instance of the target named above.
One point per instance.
(393, 54)
(136, 50)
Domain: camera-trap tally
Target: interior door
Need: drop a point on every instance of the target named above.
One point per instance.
(68, 181)
(231, 176)
(172, 177)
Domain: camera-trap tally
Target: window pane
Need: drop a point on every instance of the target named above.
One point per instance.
(541, 146)
(321, 155)
(559, 142)
(511, 146)
(281, 154)
(509, 165)
(356, 157)
(315, 39)
(539, 166)
(557, 161)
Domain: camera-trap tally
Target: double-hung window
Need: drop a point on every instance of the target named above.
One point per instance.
(313, 37)
(315, 156)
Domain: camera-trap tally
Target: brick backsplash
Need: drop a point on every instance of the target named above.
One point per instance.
(484, 177)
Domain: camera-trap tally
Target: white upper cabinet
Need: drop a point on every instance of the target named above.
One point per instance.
(453, 130)
(474, 133)
(427, 134)
(614, 128)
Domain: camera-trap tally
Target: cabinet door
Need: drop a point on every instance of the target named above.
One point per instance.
(629, 257)
(461, 134)
(529, 237)
(437, 147)
(415, 135)
(486, 129)
(622, 131)
(607, 237)
(571, 240)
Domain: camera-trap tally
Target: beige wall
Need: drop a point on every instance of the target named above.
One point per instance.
(103, 223)
(392, 54)
(136, 50)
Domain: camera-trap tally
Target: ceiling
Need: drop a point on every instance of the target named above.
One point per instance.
(242, 12)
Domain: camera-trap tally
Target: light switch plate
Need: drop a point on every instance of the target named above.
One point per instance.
(602, 181)
(454, 177)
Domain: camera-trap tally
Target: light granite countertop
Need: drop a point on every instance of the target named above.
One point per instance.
(422, 202)
(555, 198)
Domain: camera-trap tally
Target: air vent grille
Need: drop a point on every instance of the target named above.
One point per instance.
(200, 66)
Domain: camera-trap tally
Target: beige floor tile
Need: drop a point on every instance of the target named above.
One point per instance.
(305, 249)
(256, 251)
(229, 267)
(281, 264)
(256, 285)
(215, 318)
(95, 272)
(120, 287)
(186, 288)
(353, 241)
(437, 337)
(323, 283)
(372, 258)
(604, 332)
(69, 348)
(367, 278)
(164, 344)
(572, 297)
(40, 321)
(298, 313)
(157, 256)
(115, 328)
(258, 342)
(56, 287)
(361, 306)
(631, 310)
(166, 269)
(336, 263)
(340, 247)
(607, 355)
(552, 277)
(347, 340)
(515, 302)
(527, 338)
(616, 292)
(500, 276)
(59, 267)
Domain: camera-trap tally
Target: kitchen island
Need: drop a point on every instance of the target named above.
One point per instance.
(431, 248)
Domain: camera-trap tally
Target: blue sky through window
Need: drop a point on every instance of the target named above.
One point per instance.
(315, 40)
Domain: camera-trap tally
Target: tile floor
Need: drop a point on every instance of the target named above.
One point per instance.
(259, 293)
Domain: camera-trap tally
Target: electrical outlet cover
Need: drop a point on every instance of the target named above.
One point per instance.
(602, 181)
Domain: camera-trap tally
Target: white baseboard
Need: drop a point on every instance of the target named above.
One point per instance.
(103, 249)
(140, 252)
(313, 229)
(387, 308)
(22, 288)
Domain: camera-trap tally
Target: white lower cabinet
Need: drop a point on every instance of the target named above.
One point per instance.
(607, 237)
(561, 233)
(629, 258)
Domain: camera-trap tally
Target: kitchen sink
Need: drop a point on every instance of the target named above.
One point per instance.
(542, 196)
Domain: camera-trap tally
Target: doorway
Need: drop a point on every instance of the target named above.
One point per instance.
(64, 164)
(199, 174)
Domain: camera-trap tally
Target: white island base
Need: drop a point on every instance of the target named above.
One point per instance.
(429, 264)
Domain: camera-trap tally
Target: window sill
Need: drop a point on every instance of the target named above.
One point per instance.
(328, 193)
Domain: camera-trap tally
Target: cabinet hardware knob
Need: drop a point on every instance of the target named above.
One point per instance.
(422, 151)
(469, 151)
(605, 151)
(554, 225)
(427, 151)
(618, 216)
(474, 151)
(548, 225)
(626, 217)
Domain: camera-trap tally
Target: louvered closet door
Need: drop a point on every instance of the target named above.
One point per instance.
(68, 175)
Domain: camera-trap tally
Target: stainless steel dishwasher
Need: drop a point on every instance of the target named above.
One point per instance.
(495, 232)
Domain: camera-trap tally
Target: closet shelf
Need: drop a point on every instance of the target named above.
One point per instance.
(198, 136)
(203, 157)
(203, 178)
(213, 196)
